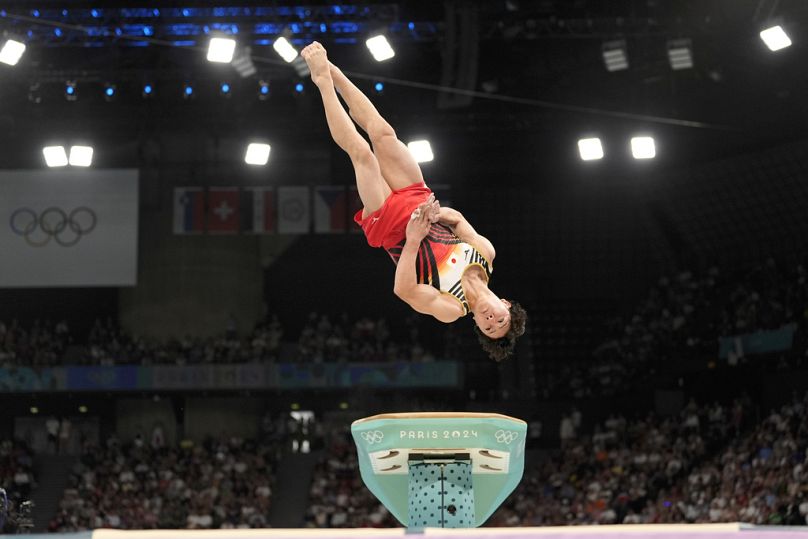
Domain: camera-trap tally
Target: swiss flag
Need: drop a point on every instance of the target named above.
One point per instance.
(223, 210)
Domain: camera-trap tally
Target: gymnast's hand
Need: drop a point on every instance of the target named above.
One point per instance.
(434, 210)
(419, 224)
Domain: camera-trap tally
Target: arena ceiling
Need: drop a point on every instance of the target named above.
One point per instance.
(535, 68)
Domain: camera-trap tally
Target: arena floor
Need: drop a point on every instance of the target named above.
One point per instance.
(661, 531)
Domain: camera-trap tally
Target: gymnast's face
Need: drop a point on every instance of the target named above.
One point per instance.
(493, 317)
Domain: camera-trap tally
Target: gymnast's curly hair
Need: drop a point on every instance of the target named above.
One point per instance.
(502, 348)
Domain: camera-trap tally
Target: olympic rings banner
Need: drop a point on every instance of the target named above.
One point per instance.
(68, 228)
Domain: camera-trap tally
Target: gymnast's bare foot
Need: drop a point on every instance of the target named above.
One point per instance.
(317, 60)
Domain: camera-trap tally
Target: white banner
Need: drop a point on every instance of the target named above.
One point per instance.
(294, 211)
(68, 227)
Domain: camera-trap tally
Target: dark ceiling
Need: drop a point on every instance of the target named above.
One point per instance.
(535, 66)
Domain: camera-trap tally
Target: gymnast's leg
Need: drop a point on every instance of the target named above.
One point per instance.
(369, 182)
(398, 167)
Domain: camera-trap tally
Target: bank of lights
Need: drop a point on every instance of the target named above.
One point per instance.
(221, 50)
(380, 48)
(775, 38)
(12, 52)
(285, 49)
(643, 148)
(257, 154)
(56, 156)
(590, 149)
(421, 150)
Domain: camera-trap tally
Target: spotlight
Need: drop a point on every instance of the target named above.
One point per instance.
(263, 90)
(55, 156)
(285, 49)
(221, 49)
(615, 55)
(775, 38)
(187, 91)
(12, 52)
(590, 149)
(110, 91)
(148, 90)
(82, 409)
(224, 89)
(81, 156)
(421, 150)
(380, 48)
(257, 153)
(680, 54)
(299, 87)
(34, 410)
(643, 148)
(71, 92)
(379, 87)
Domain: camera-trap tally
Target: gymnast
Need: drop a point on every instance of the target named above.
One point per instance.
(443, 265)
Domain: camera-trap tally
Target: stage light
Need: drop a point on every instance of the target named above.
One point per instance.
(380, 48)
(34, 410)
(71, 92)
(221, 50)
(643, 148)
(148, 90)
(224, 89)
(299, 88)
(590, 149)
(110, 91)
(257, 153)
(81, 156)
(775, 38)
(615, 55)
(284, 49)
(82, 409)
(680, 54)
(421, 150)
(263, 90)
(55, 156)
(379, 87)
(12, 52)
(187, 91)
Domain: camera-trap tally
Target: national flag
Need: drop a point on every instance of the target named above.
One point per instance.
(294, 211)
(258, 210)
(189, 210)
(354, 205)
(330, 207)
(223, 210)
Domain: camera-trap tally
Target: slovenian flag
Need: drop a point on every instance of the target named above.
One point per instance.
(189, 210)
(258, 210)
(330, 208)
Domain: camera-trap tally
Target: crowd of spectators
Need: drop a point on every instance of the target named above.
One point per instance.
(339, 338)
(224, 483)
(760, 478)
(16, 470)
(43, 343)
(620, 472)
(682, 319)
(323, 338)
(338, 498)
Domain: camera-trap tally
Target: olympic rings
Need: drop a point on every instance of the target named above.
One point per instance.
(505, 437)
(373, 436)
(54, 223)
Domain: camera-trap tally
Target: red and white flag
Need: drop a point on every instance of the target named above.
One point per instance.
(223, 210)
